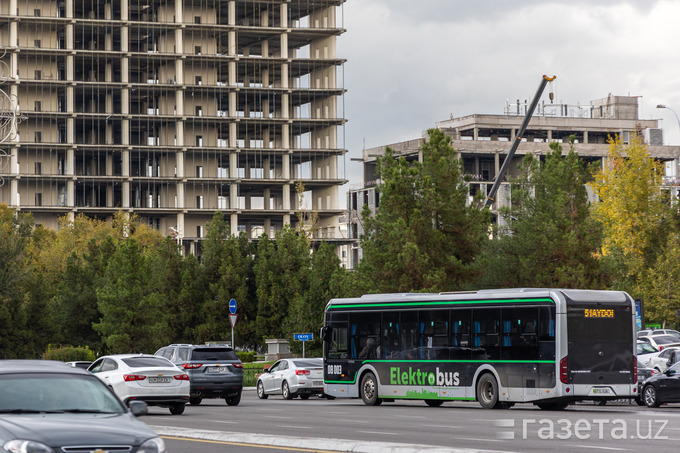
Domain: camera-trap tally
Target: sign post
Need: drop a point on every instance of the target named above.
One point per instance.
(232, 319)
(303, 337)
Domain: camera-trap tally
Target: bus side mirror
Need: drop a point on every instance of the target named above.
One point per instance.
(326, 334)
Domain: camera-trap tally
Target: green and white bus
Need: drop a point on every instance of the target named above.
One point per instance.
(550, 347)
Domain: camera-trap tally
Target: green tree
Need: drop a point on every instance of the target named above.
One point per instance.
(305, 314)
(15, 277)
(134, 317)
(547, 238)
(281, 275)
(425, 235)
(661, 285)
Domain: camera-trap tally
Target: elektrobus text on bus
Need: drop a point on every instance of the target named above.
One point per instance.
(550, 347)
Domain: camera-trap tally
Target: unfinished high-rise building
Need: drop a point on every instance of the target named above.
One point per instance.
(174, 110)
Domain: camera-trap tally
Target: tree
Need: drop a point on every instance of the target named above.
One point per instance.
(425, 235)
(15, 235)
(633, 211)
(661, 285)
(547, 238)
(134, 317)
(281, 275)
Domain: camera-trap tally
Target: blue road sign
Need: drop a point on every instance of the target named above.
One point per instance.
(303, 336)
(232, 306)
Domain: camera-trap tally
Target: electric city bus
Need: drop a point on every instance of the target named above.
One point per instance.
(549, 347)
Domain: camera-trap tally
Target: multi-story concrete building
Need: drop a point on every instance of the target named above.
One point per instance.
(483, 142)
(174, 110)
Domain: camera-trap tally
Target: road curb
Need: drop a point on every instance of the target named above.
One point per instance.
(314, 443)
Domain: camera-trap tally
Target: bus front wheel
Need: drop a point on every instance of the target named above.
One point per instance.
(369, 390)
(487, 392)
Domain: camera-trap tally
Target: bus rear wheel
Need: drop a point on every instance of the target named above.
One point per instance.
(369, 390)
(552, 406)
(434, 403)
(487, 392)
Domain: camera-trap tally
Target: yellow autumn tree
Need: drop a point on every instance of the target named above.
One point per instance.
(633, 208)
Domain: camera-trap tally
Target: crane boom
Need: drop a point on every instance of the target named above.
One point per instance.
(506, 163)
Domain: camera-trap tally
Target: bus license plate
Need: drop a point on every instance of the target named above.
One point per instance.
(159, 380)
(217, 369)
(602, 391)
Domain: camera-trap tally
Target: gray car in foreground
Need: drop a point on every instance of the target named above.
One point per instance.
(50, 407)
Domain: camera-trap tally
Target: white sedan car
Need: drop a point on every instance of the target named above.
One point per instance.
(291, 378)
(665, 359)
(142, 377)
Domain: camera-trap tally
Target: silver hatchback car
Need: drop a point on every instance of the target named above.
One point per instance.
(291, 378)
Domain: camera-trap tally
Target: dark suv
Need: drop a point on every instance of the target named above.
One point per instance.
(215, 371)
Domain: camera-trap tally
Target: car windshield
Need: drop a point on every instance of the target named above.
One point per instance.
(315, 363)
(55, 393)
(645, 348)
(220, 354)
(665, 339)
(141, 362)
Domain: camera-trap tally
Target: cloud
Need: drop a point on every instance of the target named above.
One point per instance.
(410, 64)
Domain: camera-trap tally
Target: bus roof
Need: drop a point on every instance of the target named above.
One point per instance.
(506, 294)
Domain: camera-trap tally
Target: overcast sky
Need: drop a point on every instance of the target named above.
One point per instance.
(411, 63)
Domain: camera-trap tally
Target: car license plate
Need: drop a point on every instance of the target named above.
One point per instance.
(317, 383)
(217, 369)
(601, 391)
(159, 380)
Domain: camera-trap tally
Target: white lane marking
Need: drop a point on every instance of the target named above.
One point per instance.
(579, 446)
(377, 432)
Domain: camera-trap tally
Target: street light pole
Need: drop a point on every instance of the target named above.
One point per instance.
(663, 106)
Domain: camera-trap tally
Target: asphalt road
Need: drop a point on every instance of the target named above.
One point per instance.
(404, 426)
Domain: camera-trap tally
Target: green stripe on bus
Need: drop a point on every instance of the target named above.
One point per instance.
(420, 304)
(457, 361)
(443, 398)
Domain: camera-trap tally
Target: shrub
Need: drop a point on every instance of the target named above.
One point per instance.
(245, 356)
(69, 354)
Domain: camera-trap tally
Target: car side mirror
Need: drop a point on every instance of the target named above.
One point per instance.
(266, 370)
(138, 408)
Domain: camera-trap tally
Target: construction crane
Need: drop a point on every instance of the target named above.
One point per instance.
(518, 138)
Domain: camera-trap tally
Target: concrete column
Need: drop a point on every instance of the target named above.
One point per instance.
(286, 198)
(267, 199)
(585, 136)
(234, 224)
(181, 203)
(496, 163)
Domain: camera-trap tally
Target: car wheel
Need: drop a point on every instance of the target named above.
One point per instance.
(260, 391)
(369, 390)
(487, 392)
(177, 409)
(285, 391)
(233, 400)
(304, 396)
(328, 397)
(434, 403)
(650, 396)
(195, 401)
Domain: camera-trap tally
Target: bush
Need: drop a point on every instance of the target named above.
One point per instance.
(69, 354)
(246, 356)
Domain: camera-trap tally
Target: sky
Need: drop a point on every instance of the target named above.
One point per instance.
(411, 63)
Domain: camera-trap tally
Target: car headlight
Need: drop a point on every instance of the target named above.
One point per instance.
(153, 445)
(26, 446)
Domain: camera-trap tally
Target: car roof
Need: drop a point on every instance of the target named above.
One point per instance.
(127, 356)
(15, 366)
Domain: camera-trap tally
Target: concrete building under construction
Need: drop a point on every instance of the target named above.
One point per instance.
(174, 110)
(482, 141)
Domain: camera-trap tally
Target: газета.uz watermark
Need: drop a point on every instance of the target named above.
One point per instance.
(597, 428)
